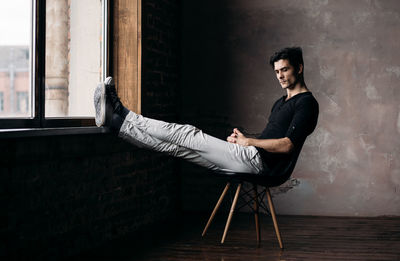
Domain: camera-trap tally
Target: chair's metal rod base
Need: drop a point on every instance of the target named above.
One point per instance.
(256, 219)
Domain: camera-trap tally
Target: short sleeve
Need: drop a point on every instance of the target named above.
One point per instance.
(304, 120)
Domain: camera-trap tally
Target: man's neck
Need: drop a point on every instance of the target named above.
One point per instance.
(298, 88)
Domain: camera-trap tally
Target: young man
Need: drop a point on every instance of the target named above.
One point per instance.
(293, 117)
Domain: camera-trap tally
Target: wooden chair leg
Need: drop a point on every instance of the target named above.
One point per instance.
(256, 219)
(216, 208)
(228, 222)
(272, 210)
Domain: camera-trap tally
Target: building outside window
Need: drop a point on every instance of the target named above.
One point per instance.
(1, 102)
(73, 56)
(22, 102)
(15, 55)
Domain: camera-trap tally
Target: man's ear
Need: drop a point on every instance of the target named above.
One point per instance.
(300, 68)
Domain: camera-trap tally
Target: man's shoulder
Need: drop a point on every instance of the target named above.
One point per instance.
(307, 98)
(307, 105)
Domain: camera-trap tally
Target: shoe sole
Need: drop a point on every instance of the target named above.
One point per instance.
(108, 81)
(100, 104)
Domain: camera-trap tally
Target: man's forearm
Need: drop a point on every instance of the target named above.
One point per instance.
(283, 145)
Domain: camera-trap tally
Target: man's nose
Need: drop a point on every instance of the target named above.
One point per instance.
(280, 75)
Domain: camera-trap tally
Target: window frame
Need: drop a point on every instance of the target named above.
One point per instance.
(37, 79)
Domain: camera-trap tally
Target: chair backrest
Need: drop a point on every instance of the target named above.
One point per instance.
(281, 173)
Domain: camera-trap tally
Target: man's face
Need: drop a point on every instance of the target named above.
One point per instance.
(286, 74)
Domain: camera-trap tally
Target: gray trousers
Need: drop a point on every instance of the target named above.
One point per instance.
(190, 143)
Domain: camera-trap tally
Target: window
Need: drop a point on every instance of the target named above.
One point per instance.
(54, 55)
(73, 57)
(15, 54)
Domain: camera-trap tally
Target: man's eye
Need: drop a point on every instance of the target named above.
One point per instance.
(284, 69)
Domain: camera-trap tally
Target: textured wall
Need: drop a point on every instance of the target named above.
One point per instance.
(349, 166)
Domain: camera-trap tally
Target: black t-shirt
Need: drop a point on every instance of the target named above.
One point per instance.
(295, 118)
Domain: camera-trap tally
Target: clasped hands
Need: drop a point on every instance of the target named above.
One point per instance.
(238, 138)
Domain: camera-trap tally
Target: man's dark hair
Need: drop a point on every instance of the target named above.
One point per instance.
(295, 57)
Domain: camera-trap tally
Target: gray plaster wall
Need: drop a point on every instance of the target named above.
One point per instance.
(350, 165)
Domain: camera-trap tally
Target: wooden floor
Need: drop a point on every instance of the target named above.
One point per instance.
(305, 238)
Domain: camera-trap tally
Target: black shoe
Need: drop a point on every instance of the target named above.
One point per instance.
(112, 96)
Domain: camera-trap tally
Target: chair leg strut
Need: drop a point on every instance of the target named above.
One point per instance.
(231, 212)
(272, 210)
(256, 219)
(216, 208)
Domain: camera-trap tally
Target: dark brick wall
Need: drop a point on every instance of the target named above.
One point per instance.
(160, 59)
(64, 195)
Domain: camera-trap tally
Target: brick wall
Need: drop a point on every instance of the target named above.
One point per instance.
(160, 59)
(64, 195)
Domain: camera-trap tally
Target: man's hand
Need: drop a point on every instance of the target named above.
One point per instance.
(282, 145)
(238, 138)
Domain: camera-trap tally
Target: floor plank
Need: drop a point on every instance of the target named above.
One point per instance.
(304, 237)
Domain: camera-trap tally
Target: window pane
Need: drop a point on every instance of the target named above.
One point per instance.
(15, 62)
(73, 56)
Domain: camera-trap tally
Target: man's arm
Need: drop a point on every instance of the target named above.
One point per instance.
(283, 145)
